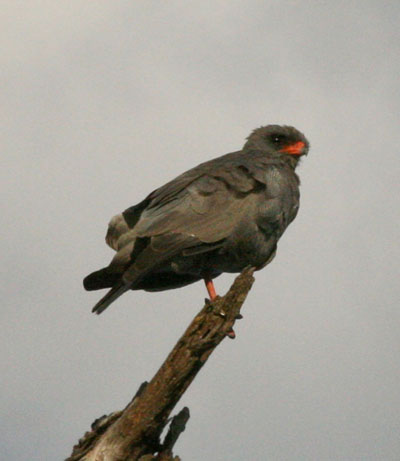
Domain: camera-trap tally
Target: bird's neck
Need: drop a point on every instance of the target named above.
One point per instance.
(273, 157)
(291, 160)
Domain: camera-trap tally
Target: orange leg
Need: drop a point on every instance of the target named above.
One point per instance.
(212, 294)
(210, 288)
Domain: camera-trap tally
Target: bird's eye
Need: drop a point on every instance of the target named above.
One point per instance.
(277, 138)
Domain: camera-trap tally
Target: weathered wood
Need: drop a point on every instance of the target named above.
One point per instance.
(134, 433)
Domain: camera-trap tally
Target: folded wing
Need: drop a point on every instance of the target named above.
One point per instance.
(194, 213)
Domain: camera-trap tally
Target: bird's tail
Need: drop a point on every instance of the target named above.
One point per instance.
(110, 297)
(103, 278)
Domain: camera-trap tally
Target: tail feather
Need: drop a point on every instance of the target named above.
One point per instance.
(103, 278)
(110, 297)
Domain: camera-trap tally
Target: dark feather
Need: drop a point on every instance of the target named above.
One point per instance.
(110, 297)
(102, 278)
(220, 216)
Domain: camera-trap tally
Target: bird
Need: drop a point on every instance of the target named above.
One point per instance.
(219, 217)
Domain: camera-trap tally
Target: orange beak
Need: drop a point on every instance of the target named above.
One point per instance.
(294, 149)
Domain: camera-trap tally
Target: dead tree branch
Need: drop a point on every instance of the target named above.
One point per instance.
(134, 433)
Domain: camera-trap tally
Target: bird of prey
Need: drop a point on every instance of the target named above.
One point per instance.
(221, 216)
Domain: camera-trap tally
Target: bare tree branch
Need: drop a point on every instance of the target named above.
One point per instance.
(134, 433)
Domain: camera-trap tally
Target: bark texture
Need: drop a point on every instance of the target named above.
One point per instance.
(134, 433)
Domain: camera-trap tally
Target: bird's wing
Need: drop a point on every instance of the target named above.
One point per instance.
(195, 218)
(206, 202)
(171, 189)
(204, 212)
(121, 224)
(155, 253)
(207, 208)
(160, 201)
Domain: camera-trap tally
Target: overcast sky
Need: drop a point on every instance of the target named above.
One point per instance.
(101, 102)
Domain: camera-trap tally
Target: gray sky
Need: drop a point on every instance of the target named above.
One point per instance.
(102, 102)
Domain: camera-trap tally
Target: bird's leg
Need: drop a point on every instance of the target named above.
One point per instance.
(210, 288)
(213, 294)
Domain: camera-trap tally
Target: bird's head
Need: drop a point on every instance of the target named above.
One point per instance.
(278, 141)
